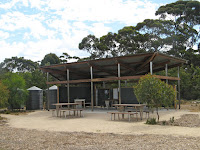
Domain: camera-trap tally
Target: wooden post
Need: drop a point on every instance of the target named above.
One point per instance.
(151, 67)
(58, 94)
(175, 105)
(125, 83)
(48, 91)
(92, 100)
(68, 96)
(179, 89)
(104, 84)
(119, 85)
(166, 72)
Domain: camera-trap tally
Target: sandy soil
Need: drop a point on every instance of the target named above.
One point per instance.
(99, 122)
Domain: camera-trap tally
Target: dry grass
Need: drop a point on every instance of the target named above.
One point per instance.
(15, 112)
(192, 106)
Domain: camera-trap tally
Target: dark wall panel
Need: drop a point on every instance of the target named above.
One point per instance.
(75, 93)
(128, 96)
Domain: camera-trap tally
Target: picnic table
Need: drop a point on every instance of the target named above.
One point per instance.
(139, 108)
(59, 106)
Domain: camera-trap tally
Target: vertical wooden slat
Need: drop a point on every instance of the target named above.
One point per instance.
(48, 91)
(179, 89)
(151, 67)
(68, 96)
(166, 72)
(58, 101)
(119, 84)
(92, 99)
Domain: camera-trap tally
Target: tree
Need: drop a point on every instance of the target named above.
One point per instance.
(158, 33)
(35, 78)
(127, 41)
(65, 57)
(16, 85)
(50, 59)
(19, 64)
(91, 45)
(4, 95)
(186, 18)
(154, 92)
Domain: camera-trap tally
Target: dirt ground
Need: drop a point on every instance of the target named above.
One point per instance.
(39, 130)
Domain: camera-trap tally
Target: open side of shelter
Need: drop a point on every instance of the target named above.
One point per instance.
(126, 68)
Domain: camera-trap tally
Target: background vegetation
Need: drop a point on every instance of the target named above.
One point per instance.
(176, 33)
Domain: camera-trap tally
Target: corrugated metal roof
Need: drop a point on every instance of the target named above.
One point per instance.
(34, 88)
(54, 87)
(131, 65)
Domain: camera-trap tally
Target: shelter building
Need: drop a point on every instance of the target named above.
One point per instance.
(114, 69)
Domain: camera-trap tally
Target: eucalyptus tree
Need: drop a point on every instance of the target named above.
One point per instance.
(50, 59)
(18, 64)
(186, 18)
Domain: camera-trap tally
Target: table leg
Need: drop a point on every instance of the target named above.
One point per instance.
(141, 112)
(57, 110)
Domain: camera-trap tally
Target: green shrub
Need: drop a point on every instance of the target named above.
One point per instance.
(154, 92)
(171, 120)
(164, 122)
(151, 121)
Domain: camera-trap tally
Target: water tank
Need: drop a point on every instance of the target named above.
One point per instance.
(35, 100)
(52, 96)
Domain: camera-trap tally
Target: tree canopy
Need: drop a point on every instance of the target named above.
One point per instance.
(154, 92)
(50, 59)
(17, 87)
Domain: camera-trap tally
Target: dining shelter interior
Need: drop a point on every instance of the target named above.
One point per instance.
(108, 78)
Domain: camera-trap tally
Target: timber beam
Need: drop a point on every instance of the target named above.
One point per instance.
(110, 79)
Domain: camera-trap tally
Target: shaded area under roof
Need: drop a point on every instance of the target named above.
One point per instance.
(131, 65)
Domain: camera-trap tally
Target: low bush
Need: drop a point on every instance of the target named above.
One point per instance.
(151, 121)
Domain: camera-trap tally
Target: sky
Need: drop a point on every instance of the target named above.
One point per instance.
(34, 28)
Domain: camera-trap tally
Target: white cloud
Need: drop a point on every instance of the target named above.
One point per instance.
(13, 21)
(60, 25)
(4, 35)
(128, 12)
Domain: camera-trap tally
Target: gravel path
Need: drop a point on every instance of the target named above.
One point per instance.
(154, 137)
(13, 138)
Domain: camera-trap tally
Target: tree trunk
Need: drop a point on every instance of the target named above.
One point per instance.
(157, 113)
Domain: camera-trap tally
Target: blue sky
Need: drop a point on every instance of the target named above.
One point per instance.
(34, 28)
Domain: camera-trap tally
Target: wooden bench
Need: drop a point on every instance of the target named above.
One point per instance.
(76, 111)
(64, 112)
(123, 113)
(53, 112)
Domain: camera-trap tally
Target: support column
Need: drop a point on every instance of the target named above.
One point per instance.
(92, 98)
(166, 72)
(179, 89)
(104, 84)
(151, 67)
(125, 83)
(48, 91)
(58, 94)
(119, 85)
(68, 96)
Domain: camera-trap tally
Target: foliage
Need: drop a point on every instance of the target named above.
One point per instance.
(36, 78)
(186, 18)
(19, 64)
(50, 59)
(4, 95)
(151, 121)
(16, 85)
(65, 57)
(171, 120)
(154, 92)
(190, 81)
